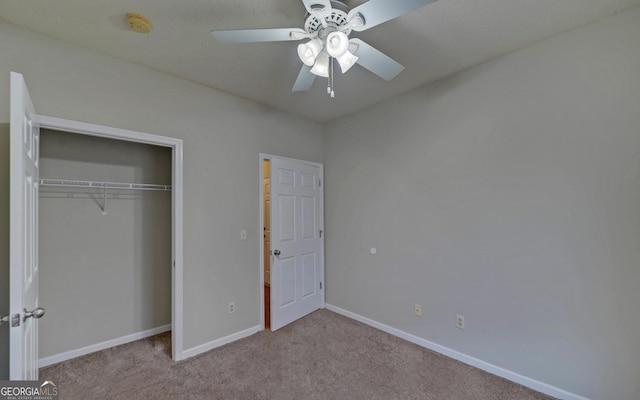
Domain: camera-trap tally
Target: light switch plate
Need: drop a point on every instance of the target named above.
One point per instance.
(243, 234)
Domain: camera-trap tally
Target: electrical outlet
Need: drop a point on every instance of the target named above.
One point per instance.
(417, 310)
(460, 321)
(232, 307)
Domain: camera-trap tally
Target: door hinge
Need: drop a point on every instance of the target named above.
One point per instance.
(320, 233)
(319, 182)
(320, 285)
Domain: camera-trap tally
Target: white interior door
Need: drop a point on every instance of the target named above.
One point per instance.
(24, 148)
(297, 273)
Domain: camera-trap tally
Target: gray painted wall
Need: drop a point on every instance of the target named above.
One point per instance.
(102, 276)
(510, 194)
(223, 137)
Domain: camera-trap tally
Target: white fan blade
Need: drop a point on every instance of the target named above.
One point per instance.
(375, 12)
(319, 8)
(305, 79)
(259, 35)
(375, 61)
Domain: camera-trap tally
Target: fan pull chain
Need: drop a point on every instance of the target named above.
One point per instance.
(329, 77)
(332, 93)
(330, 80)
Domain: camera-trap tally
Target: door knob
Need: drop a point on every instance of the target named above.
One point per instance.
(276, 252)
(36, 313)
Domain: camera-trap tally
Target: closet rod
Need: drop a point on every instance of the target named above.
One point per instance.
(103, 185)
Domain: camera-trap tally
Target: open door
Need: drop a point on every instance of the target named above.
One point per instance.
(23, 271)
(297, 273)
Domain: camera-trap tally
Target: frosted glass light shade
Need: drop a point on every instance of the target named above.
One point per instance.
(346, 61)
(308, 52)
(337, 44)
(321, 66)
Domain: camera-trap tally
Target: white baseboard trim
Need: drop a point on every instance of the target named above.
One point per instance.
(67, 355)
(456, 355)
(194, 351)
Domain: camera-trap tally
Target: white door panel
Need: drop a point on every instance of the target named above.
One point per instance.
(296, 217)
(24, 138)
(286, 283)
(309, 266)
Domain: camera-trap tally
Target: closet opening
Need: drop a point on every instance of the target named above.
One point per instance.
(105, 245)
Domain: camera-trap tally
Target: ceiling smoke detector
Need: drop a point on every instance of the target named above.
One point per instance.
(138, 23)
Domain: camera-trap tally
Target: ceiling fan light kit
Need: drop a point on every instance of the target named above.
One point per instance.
(328, 25)
(337, 44)
(338, 48)
(308, 52)
(346, 61)
(321, 65)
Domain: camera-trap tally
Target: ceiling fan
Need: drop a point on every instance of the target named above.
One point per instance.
(328, 25)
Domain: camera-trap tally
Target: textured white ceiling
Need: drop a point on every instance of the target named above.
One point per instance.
(432, 42)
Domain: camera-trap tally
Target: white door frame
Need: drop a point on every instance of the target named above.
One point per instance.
(177, 292)
(264, 156)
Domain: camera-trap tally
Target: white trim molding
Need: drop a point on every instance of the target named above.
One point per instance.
(203, 348)
(456, 355)
(83, 351)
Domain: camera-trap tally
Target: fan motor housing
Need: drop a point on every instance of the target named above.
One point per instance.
(338, 17)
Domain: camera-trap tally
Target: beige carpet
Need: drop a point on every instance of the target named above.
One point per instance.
(322, 356)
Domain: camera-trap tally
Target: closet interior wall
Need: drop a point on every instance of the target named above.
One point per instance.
(103, 276)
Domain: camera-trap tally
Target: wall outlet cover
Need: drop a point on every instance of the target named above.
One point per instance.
(417, 310)
(460, 321)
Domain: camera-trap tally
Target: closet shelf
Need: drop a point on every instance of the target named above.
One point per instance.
(103, 185)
